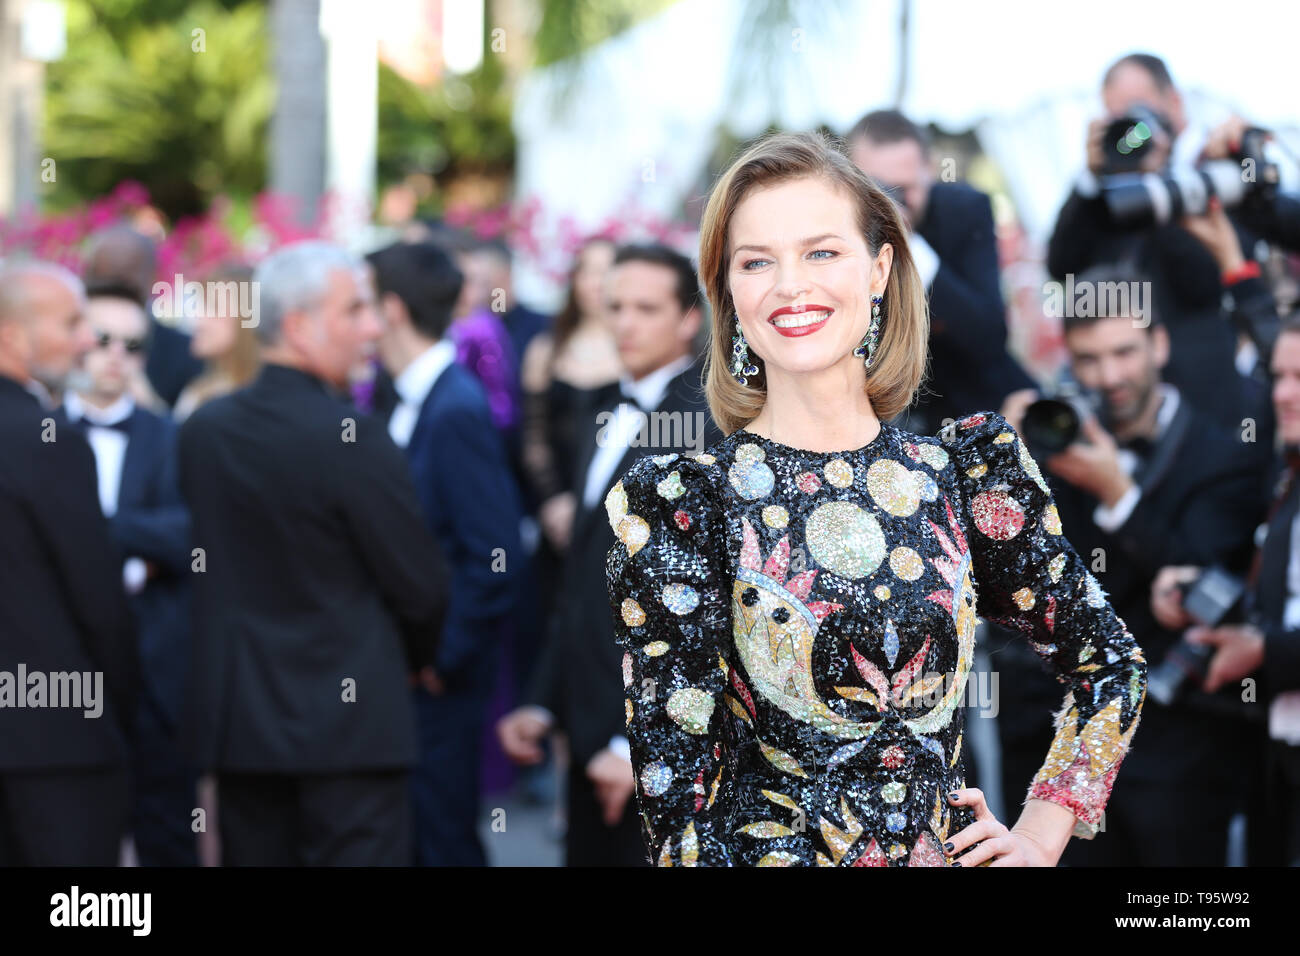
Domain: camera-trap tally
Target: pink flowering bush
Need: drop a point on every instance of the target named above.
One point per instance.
(520, 225)
(197, 245)
(194, 245)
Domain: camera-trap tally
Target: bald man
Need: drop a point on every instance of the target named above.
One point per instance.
(68, 664)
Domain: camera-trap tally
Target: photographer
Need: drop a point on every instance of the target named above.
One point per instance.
(1146, 132)
(1248, 303)
(1146, 481)
(1268, 647)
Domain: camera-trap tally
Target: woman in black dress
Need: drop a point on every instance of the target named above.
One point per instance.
(564, 369)
(798, 604)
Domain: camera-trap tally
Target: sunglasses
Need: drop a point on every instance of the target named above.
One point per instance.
(133, 346)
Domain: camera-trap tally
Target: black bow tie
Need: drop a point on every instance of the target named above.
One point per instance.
(1140, 445)
(122, 425)
(631, 399)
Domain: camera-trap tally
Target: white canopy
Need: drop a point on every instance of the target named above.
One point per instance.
(644, 109)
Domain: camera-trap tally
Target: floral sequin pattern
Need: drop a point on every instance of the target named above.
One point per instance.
(799, 628)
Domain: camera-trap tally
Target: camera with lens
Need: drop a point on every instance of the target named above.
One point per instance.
(1054, 422)
(1215, 598)
(1129, 139)
(1137, 199)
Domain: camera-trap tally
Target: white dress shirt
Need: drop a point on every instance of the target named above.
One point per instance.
(1112, 519)
(109, 446)
(413, 386)
(1247, 358)
(924, 258)
(648, 391)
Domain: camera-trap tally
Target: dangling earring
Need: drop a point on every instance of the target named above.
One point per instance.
(867, 348)
(741, 367)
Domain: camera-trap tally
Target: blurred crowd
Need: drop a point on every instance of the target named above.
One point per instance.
(329, 562)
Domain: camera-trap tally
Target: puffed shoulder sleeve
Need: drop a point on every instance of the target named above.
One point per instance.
(1029, 578)
(664, 575)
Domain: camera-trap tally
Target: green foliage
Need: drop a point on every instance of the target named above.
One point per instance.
(570, 27)
(141, 95)
(460, 125)
(133, 99)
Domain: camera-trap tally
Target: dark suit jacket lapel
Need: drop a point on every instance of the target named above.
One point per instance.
(682, 395)
(135, 463)
(431, 400)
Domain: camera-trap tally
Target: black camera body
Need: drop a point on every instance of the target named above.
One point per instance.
(1136, 200)
(1215, 598)
(1128, 139)
(1054, 422)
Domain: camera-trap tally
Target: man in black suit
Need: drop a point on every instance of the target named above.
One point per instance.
(1187, 283)
(654, 303)
(1268, 646)
(317, 590)
(68, 663)
(135, 459)
(1151, 482)
(120, 256)
(956, 253)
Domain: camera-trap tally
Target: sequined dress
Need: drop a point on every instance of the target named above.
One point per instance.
(799, 627)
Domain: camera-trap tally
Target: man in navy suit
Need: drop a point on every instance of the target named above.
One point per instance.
(135, 458)
(463, 481)
(955, 249)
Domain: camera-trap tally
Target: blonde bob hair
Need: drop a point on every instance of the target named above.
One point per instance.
(900, 359)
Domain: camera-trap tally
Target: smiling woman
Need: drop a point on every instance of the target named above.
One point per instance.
(797, 605)
(794, 228)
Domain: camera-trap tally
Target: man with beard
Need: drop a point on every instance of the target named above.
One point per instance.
(1150, 482)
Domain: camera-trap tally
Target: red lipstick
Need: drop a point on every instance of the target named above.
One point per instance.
(797, 330)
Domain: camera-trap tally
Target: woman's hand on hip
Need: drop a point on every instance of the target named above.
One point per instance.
(988, 841)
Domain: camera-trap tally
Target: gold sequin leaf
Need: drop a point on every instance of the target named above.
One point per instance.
(781, 760)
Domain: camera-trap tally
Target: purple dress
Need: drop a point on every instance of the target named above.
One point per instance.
(483, 346)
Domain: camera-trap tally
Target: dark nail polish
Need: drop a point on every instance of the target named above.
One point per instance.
(948, 847)
(956, 862)
(954, 795)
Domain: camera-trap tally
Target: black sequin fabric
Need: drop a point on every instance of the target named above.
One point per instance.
(799, 629)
